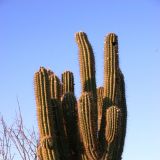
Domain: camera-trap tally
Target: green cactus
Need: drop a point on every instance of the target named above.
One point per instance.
(92, 128)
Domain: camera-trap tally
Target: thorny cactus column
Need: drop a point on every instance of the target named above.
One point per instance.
(92, 128)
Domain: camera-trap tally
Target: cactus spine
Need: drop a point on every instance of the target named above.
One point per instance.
(92, 128)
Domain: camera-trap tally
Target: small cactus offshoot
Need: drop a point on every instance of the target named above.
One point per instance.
(91, 128)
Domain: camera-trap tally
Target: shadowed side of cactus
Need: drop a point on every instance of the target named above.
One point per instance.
(56, 93)
(69, 105)
(121, 101)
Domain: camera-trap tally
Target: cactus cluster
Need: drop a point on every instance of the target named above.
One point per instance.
(91, 128)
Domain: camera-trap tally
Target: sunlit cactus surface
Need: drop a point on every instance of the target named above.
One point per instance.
(92, 127)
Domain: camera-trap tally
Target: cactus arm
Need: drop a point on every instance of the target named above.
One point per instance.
(100, 92)
(121, 101)
(89, 96)
(68, 82)
(113, 121)
(38, 104)
(43, 102)
(87, 64)
(69, 106)
(59, 127)
(55, 86)
(110, 67)
(45, 115)
(113, 131)
(113, 94)
(88, 127)
(62, 143)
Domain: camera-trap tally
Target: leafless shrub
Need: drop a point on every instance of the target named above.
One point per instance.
(16, 141)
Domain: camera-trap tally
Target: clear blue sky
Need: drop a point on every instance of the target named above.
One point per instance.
(36, 33)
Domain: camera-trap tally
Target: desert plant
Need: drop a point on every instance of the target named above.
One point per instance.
(94, 127)
(16, 141)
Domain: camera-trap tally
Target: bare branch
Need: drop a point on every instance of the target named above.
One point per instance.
(16, 140)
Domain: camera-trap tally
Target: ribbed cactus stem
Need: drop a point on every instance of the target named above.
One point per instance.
(88, 125)
(68, 82)
(121, 101)
(87, 64)
(110, 67)
(113, 118)
(113, 131)
(55, 86)
(62, 144)
(43, 102)
(39, 152)
(69, 106)
(45, 114)
(100, 93)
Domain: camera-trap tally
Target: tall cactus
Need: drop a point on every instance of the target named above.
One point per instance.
(92, 128)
